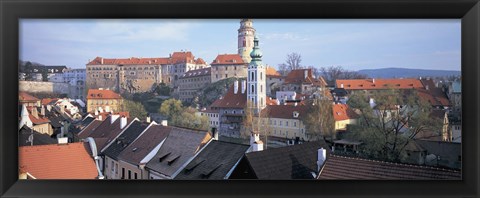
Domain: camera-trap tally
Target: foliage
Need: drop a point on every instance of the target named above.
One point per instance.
(171, 108)
(319, 120)
(189, 118)
(255, 123)
(135, 109)
(397, 117)
(332, 73)
(163, 89)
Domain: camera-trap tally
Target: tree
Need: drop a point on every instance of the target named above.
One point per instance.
(255, 123)
(189, 118)
(163, 89)
(332, 73)
(135, 109)
(319, 120)
(292, 62)
(171, 108)
(397, 117)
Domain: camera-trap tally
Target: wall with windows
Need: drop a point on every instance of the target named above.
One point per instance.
(287, 128)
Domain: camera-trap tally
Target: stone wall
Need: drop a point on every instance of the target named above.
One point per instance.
(46, 87)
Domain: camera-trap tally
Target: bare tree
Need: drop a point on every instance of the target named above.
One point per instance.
(292, 62)
(332, 73)
(319, 120)
(255, 123)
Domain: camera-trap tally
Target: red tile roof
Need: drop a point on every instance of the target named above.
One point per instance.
(69, 161)
(176, 57)
(298, 77)
(339, 167)
(102, 94)
(272, 72)
(231, 100)
(46, 101)
(343, 112)
(25, 97)
(433, 94)
(285, 111)
(367, 84)
(228, 59)
(36, 120)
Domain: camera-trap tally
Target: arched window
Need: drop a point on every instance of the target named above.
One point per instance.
(261, 76)
(251, 78)
(253, 90)
(261, 88)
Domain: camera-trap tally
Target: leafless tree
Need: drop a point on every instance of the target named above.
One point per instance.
(292, 62)
(332, 73)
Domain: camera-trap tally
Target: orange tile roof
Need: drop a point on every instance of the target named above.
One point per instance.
(176, 57)
(25, 97)
(46, 101)
(69, 161)
(102, 94)
(343, 112)
(40, 120)
(434, 95)
(228, 59)
(367, 84)
(298, 76)
(231, 100)
(272, 72)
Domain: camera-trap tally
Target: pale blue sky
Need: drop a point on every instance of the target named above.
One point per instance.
(353, 44)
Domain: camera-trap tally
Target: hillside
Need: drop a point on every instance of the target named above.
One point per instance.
(407, 73)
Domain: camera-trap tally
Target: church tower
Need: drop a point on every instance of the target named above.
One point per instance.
(256, 80)
(246, 33)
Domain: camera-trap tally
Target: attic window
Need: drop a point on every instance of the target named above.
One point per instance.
(134, 149)
(170, 162)
(164, 156)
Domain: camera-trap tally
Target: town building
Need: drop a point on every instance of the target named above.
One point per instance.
(285, 122)
(140, 74)
(228, 66)
(28, 100)
(41, 72)
(103, 100)
(192, 82)
(29, 137)
(30, 117)
(176, 152)
(343, 116)
(455, 95)
(302, 81)
(274, 81)
(216, 161)
(57, 161)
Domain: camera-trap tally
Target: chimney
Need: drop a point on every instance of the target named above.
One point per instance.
(254, 137)
(113, 118)
(100, 118)
(257, 146)
(373, 80)
(101, 61)
(426, 87)
(235, 87)
(123, 122)
(341, 85)
(107, 109)
(62, 109)
(42, 110)
(215, 134)
(278, 102)
(164, 123)
(148, 119)
(295, 104)
(96, 112)
(306, 74)
(49, 107)
(244, 86)
(62, 140)
(322, 156)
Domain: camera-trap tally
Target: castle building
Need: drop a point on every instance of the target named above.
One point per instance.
(227, 66)
(256, 88)
(140, 74)
(246, 34)
(192, 82)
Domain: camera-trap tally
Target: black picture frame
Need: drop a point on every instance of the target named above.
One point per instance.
(11, 11)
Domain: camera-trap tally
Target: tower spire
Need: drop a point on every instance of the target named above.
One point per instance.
(245, 39)
(256, 79)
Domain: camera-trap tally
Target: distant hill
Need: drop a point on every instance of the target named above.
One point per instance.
(407, 73)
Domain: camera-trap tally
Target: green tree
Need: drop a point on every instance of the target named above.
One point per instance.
(189, 118)
(135, 109)
(163, 89)
(171, 108)
(319, 120)
(397, 117)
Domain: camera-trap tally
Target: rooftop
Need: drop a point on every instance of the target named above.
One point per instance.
(197, 72)
(228, 59)
(367, 84)
(343, 112)
(125, 139)
(68, 161)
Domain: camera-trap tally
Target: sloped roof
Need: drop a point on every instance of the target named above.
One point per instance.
(367, 84)
(69, 161)
(343, 112)
(232, 100)
(25, 97)
(139, 149)
(46, 101)
(228, 59)
(214, 162)
(38, 138)
(128, 61)
(125, 139)
(435, 96)
(102, 94)
(180, 145)
(90, 128)
(339, 167)
(290, 162)
(444, 149)
(285, 111)
(298, 77)
(271, 71)
(197, 72)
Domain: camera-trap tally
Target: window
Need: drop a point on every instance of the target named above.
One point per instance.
(261, 76)
(253, 90)
(135, 175)
(112, 166)
(251, 78)
(129, 174)
(123, 173)
(226, 75)
(280, 124)
(286, 123)
(294, 124)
